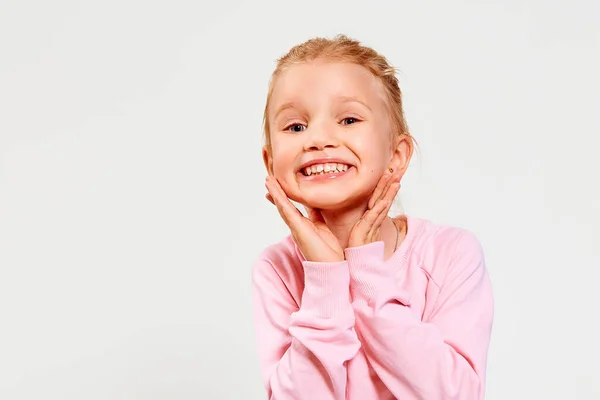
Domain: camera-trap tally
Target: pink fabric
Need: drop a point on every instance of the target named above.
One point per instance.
(415, 326)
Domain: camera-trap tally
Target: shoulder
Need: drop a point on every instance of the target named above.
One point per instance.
(443, 251)
(278, 255)
(279, 267)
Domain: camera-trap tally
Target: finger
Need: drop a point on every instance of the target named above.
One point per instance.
(366, 223)
(276, 202)
(358, 235)
(287, 210)
(379, 189)
(374, 221)
(394, 178)
(391, 193)
(386, 182)
(277, 195)
(387, 200)
(270, 198)
(373, 232)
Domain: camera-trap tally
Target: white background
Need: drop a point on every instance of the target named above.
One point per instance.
(131, 183)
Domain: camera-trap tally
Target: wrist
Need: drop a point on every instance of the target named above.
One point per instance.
(329, 259)
(326, 288)
(368, 270)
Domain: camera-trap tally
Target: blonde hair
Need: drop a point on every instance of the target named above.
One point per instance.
(344, 49)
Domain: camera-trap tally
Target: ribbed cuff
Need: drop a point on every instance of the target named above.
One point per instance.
(369, 273)
(326, 289)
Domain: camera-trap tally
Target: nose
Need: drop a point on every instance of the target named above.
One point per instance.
(321, 136)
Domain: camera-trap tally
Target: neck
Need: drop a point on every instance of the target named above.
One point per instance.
(341, 222)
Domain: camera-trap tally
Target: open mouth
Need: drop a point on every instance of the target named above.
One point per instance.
(325, 169)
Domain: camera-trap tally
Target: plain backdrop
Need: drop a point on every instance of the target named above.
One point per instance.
(132, 187)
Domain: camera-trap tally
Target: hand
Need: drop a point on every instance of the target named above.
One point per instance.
(311, 234)
(367, 229)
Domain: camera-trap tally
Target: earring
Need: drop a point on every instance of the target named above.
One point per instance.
(391, 170)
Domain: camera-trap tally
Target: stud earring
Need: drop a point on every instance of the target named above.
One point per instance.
(391, 170)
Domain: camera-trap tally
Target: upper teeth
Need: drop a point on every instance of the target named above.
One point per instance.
(325, 168)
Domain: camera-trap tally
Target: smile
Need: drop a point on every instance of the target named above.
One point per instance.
(323, 169)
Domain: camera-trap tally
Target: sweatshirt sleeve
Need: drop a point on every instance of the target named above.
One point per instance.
(303, 349)
(442, 358)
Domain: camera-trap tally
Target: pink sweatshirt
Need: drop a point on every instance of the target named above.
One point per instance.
(415, 326)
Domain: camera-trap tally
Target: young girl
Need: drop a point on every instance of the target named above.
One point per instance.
(355, 304)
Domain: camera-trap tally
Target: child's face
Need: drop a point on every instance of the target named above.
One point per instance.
(326, 110)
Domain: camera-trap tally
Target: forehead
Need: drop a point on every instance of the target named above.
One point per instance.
(321, 81)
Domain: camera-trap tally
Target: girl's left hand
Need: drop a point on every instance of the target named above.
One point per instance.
(367, 229)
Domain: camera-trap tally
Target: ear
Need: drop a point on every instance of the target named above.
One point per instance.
(402, 153)
(268, 160)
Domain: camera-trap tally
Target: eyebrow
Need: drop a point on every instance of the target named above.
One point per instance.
(283, 107)
(352, 99)
(342, 99)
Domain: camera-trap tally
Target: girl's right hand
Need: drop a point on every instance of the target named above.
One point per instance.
(311, 234)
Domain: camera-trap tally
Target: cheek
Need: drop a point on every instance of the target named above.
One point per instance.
(283, 158)
(374, 159)
(283, 170)
(280, 159)
(374, 156)
(282, 166)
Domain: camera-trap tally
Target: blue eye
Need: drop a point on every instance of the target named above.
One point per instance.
(349, 121)
(295, 128)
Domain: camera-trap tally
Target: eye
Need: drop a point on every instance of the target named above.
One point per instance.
(349, 121)
(295, 128)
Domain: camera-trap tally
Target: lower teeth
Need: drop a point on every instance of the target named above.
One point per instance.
(322, 173)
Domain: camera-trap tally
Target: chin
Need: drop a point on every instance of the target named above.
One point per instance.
(330, 196)
(333, 202)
